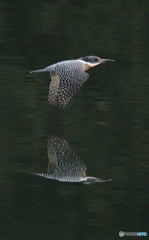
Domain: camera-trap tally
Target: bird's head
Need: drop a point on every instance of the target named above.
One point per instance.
(90, 180)
(92, 61)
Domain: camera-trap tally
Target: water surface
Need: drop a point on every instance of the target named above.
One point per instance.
(106, 124)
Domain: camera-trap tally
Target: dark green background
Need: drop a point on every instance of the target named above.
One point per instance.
(106, 124)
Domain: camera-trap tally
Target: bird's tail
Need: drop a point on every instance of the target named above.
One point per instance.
(40, 70)
(45, 175)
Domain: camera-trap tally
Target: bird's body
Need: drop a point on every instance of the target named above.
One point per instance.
(68, 76)
(74, 179)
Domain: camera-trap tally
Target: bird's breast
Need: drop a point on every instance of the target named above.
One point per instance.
(85, 65)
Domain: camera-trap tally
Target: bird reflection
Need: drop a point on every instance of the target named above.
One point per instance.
(64, 164)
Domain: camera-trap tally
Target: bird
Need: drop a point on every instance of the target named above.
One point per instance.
(68, 76)
(64, 165)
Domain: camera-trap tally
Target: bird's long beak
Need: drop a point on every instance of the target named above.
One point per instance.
(106, 60)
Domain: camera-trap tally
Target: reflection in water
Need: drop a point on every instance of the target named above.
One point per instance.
(64, 164)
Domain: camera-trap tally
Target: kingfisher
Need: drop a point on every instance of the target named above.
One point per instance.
(64, 164)
(68, 76)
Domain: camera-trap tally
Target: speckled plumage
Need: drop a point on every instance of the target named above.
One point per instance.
(64, 164)
(68, 76)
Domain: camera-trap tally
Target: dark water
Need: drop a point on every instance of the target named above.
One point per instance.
(106, 124)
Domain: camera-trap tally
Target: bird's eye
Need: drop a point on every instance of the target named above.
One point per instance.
(96, 59)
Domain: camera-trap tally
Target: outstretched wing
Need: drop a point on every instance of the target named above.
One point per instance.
(64, 164)
(66, 79)
(63, 161)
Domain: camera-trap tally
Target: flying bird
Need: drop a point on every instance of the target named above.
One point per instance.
(68, 76)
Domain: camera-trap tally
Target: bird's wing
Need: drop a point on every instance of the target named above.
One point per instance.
(52, 156)
(53, 163)
(64, 164)
(64, 84)
(68, 163)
